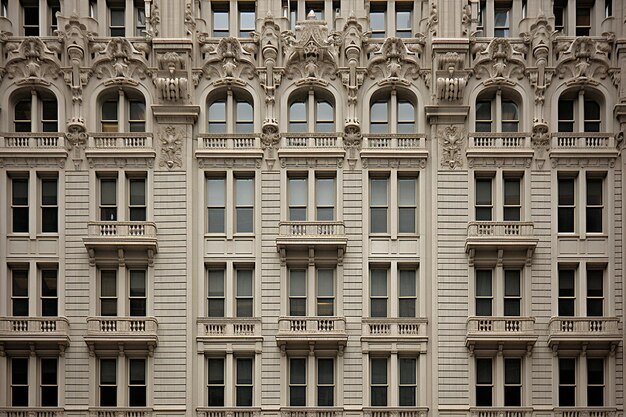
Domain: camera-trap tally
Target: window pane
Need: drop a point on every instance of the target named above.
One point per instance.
(246, 21)
(483, 110)
(595, 371)
(483, 192)
(108, 192)
(379, 191)
(407, 283)
(379, 371)
(244, 111)
(137, 110)
(512, 283)
(297, 371)
(483, 282)
(502, 17)
(108, 286)
(108, 371)
(49, 192)
(216, 283)
(377, 23)
(298, 191)
(244, 283)
(512, 192)
(297, 111)
(49, 110)
(594, 283)
(217, 111)
(325, 371)
(137, 283)
(509, 111)
(592, 110)
(325, 283)
(407, 371)
(325, 111)
(483, 371)
(49, 283)
(379, 282)
(594, 191)
(244, 371)
(216, 191)
(216, 371)
(138, 192)
(325, 191)
(379, 112)
(297, 283)
(378, 218)
(137, 371)
(512, 371)
(566, 191)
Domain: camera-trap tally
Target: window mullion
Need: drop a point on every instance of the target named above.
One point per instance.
(122, 117)
(579, 124)
(393, 111)
(310, 109)
(498, 111)
(34, 115)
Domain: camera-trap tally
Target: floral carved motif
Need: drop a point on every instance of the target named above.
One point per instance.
(395, 61)
(452, 139)
(583, 60)
(228, 62)
(121, 60)
(33, 61)
(500, 63)
(171, 139)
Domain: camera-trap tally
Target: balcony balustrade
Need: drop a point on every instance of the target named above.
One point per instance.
(395, 412)
(501, 412)
(307, 330)
(583, 144)
(500, 235)
(395, 327)
(229, 146)
(311, 412)
(136, 144)
(397, 145)
(133, 332)
(585, 412)
(32, 144)
(486, 144)
(121, 235)
(31, 412)
(120, 412)
(596, 332)
(510, 332)
(322, 144)
(38, 330)
(312, 234)
(228, 412)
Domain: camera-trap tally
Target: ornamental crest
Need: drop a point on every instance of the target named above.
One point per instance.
(584, 59)
(121, 60)
(451, 138)
(500, 62)
(33, 61)
(228, 61)
(394, 60)
(171, 140)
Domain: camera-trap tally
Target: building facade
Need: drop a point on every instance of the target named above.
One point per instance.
(312, 208)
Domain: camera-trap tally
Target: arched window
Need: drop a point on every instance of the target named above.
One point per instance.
(36, 111)
(123, 112)
(232, 113)
(392, 113)
(311, 113)
(579, 113)
(497, 113)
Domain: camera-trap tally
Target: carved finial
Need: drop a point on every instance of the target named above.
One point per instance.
(311, 15)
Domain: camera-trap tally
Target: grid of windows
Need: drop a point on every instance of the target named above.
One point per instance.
(241, 195)
(311, 114)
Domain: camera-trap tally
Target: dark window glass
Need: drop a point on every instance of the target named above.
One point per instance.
(49, 382)
(19, 382)
(216, 382)
(379, 382)
(484, 383)
(567, 382)
(49, 300)
(108, 382)
(566, 292)
(566, 205)
(297, 382)
(325, 382)
(20, 205)
(484, 292)
(244, 382)
(408, 382)
(512, 382)
(595, 382)
(137, 383)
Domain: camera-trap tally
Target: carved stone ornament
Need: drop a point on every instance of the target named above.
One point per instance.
(171, 139)
(312, 53)
(500, 63)
(584, 60)
(540, 138)
(451, 78)
(395, 61)
(433, 19)
(451, 139)
(228, 62)
(269, 136)
(190, 21)
(466, 19)
(121, 61)
(172, 84)
(154, 20)
(270, 42)
(76, 136)
(32, 62)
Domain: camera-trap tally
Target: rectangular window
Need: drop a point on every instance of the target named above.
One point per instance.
(137, 293)
(244, 204)
(216, 192)
(378, 24)
(93, 8)
(325, 382)
(379, 204)
(19, 382)
(23, 115)
(140, 20)
(583, 21)
(108, 382)
(484, 199)
(247, 19)
(404, 19)
(217, 117)
(216, 382)
(243, 384)
(484, 292)
(567, 296)
(595, 205)
(407, 205)
(19, 292)
(109, 118)
(49, 382)
(49, 116)
(244, 117)
(117, 26)
(137, 383)
(137, 199)
(595, 382)
(592, 116)
(325, 292)
(512, 382)
(608, 8)
(559, 15)
(567, 382)
(406, 117)
(566, 205)
(325, 198)
(49, 293)
(108, 292)
(483, 116)
(220, 19)
(19, 204)
(512, 292)
(108, 199)
(408, 382)
(298, 192)
(49, 205)
(595, 292)
(297, 292)
(566, 115)
(137, 116)
(407, 293)
(297, 382)
(484, 382)
(31, 20)
(379, 382)
(215, 304)
(502, 22)
(378, 293)
(245, 293)
(512, 199)
(379, 117)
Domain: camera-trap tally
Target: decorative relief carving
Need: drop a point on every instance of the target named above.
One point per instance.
(171, 139)
(228, 62)
(270, 77)
(227, 163)
(500, 63)
(190, 21)
(466, 19)
(121, 61)
(32, 61)
(540, 138)
(311, 162)
(583, 60)
(484, 162)
(395, 62)
(172, 85)
(433, 19)
(451, 78)
(452, 139)
(154, 20)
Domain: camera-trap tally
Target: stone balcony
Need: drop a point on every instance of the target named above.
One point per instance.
(395, 411)
(34, 331)
(115, 235)
(311, 412)
(394, 146)
(506, 235)
(120, 412)
(229, 146)
(305, 331)
(130, 145)
(328, 145)
(326, 235)
(495, 333)
(32, 412)
(500, 412)
(585, 412)
(33, 144)
(598, 333)
(228, 412)
(584, 144)
(136, 333)
(485, 144)
(216, 333)
(402, 334)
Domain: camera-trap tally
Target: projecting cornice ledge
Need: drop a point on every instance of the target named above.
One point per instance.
(446, 114)
(180, 114)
